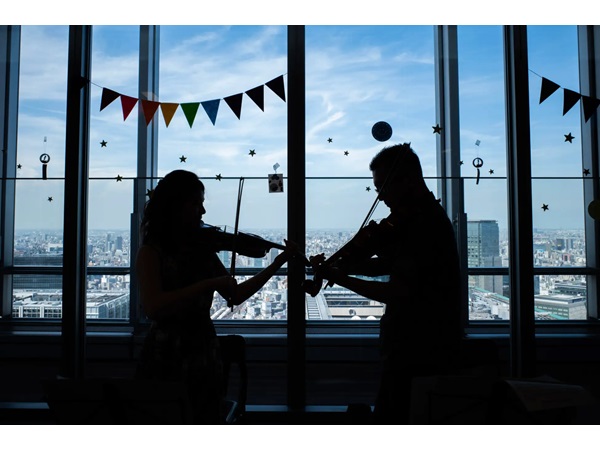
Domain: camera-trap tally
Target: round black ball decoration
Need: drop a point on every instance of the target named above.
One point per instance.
(381, 131)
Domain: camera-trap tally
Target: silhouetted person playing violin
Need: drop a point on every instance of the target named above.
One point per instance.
(178, 276)
(416, 247)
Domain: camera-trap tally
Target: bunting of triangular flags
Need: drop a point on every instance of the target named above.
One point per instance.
(190, 109)
(570, 98)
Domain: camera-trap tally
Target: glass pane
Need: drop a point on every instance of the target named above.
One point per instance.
(115, 66)
(357, 76)
(108, 296)
(37, 296)
(558, 223)
(204, 70)
(560, 297)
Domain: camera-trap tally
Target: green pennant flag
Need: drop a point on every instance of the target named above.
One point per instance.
(190, 110)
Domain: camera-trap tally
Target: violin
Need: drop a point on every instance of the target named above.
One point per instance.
(247, 244)
(365, 244)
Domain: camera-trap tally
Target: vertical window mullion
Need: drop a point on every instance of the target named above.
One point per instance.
(520, 222)
(147, 156)
(589, 53)
(450, 183)
(296, 216)
(76, 199)
(9, 98)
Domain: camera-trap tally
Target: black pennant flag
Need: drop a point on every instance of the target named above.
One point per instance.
(235, 103)
(108, 96)
(276, 85)
(589, 106)
(548, 88)
(257, 95)
(571, 97)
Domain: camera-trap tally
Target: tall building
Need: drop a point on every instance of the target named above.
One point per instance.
(483, 250)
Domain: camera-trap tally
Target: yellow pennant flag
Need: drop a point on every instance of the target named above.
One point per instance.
(168, 110)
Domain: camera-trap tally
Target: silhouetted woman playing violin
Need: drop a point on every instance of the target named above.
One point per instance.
(179, 272)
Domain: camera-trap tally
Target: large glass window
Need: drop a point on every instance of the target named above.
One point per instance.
(227, 85)
(357, 76)
(40, 157)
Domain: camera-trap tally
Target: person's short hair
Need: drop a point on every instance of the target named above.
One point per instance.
(165, 202)
(400, 159)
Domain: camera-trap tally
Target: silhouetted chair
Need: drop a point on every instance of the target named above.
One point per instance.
(233, 350)
(117, 401)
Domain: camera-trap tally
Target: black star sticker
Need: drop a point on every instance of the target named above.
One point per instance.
(368, 188)
(569, 138)
(461, 163)
(346, 153)
(545, 207)
(252, 152)
(149, 193)
(330, 140)
(50, 199)
(182, 158)
(19, 166)
(491, 171)
(586, 172)
(103, 143)
(218, 177)
(437, 129)
(119, 178)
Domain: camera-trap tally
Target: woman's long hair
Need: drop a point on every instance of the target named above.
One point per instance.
(164, 207)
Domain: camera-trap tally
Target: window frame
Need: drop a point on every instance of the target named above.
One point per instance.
(296, 329)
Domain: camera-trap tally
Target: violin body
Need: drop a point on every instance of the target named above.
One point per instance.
(366, 243)
(215, 239)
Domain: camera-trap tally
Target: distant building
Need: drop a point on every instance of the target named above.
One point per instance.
(483, 250)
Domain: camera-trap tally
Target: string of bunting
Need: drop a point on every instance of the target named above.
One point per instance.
(570, 97)
(190, 109)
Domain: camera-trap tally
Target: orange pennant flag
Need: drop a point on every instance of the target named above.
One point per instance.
(168, 110)
(127, 103)
(149, 108)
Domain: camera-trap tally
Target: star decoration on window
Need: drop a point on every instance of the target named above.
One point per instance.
(50, 199)
(149, 193)
(252, 152)
(586, 172)
(19, 166)
(569, 138)
(182, 158)
(346, 152)
(103, 143)
(491, 171)
(368, 188)
(545, 207)
(218, 177)
(461, 163)
(437, 129)
(329, 140)
(119, 178)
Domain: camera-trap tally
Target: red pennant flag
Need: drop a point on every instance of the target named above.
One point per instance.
(276, 85)
(127, 103)
(190, 110)
(108, 96)
(590, 105)
(257, 95)
(149, 108)
(571, 97)
(548, 88)
(168, 110)
(235, 103)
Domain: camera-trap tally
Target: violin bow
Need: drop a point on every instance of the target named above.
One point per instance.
(235, 230)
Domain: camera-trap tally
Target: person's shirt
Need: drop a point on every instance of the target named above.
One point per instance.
(423, 260)
(186, 266)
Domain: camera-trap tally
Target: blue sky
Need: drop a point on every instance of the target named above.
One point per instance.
(355, 75)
